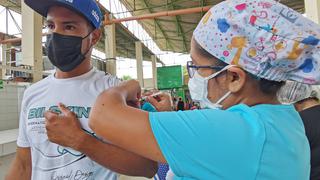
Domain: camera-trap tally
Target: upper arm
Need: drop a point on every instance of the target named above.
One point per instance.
(126, 127)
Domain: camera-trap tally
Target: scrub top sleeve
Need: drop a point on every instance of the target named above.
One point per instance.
(164, 126)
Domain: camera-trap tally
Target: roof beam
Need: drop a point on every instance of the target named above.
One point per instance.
(202, 3)
(180, 29)
(157, 24)
(182, 22)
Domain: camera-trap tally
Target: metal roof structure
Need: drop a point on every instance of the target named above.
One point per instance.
(174, 33)
(125, 40)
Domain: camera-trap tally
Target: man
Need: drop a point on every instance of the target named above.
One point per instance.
(68, 149)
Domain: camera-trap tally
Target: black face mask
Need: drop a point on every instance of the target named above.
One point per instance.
(64, 51)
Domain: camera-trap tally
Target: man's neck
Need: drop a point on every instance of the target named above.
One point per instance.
(83, 68)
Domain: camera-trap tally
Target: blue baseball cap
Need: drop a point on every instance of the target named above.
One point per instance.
(88, 8)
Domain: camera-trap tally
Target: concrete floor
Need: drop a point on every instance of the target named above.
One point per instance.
(5, 163)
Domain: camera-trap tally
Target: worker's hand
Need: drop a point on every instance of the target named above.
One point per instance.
(132, 91)
(64, 129)
(150, 93)
(165, 103)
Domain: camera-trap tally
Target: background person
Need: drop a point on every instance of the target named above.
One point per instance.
(306, 100)
(180, 105)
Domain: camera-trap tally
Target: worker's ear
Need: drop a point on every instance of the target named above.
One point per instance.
(236, 78)
(96, 35)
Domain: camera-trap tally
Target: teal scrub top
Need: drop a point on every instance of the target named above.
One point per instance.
(263, 142)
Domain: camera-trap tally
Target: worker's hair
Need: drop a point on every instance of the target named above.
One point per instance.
(266, 86)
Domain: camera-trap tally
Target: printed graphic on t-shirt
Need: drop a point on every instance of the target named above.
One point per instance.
(49, 160)
(53, 158)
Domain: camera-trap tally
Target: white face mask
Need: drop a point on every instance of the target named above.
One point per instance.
(198, 87)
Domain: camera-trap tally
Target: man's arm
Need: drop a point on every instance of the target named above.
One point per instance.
(66, 130)
(21, 165)
(116, 159)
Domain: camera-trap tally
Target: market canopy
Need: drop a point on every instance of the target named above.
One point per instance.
(174, 33)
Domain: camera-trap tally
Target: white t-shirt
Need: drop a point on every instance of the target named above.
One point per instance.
(170, 175)
(51, 161)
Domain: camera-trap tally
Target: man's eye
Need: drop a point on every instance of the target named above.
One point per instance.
(68, 27)
(50, 26)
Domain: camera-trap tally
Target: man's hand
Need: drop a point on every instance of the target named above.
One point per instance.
(165, 103)
(64, 129)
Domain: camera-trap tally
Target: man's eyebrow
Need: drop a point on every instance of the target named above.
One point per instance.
(71, 22)
(66, 22)
(48, 21)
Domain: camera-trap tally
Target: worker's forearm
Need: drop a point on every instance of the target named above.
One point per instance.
(116, 159)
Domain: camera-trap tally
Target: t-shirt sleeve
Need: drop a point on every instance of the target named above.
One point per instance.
(112, 81)
(193, 140)
(22, 140)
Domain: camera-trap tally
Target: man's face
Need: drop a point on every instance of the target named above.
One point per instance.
(66, 22)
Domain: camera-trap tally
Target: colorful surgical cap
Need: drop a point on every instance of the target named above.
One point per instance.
(265, 38)
(293, 92)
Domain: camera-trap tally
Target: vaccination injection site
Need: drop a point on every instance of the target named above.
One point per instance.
(159, 89)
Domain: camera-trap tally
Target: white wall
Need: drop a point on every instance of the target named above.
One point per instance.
(10, 103)
(148, 83)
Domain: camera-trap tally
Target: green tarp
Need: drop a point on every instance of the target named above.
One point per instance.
(1, 84)
(170, 77)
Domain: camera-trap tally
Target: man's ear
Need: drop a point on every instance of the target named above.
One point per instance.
(96, 35)
(236, 78)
